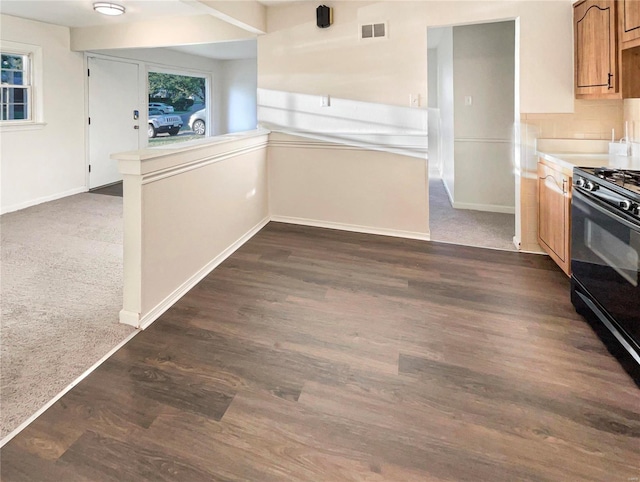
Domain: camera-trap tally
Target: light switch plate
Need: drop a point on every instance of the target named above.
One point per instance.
(414, 100)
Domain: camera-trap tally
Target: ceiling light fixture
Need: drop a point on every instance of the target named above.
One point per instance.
(108, 8)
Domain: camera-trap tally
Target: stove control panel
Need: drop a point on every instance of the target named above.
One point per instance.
(602, 190)
(585, 184)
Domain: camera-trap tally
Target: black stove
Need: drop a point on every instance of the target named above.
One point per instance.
(605, 258)
(624, 178)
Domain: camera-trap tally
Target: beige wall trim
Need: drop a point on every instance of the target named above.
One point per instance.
(365, 144)
(393, 143)
(483, 140)
(184, 288)
(177, 170)
(352, 228)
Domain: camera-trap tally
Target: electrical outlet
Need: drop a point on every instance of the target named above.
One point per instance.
(414, 100)
(324, 101)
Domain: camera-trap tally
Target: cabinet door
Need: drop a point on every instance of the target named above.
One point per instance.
(554, 209)
(629, 12)
(596, 62)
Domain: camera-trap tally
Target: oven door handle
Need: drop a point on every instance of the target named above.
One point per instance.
(605, 210)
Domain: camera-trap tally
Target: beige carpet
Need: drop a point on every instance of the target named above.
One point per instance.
(61, 291)
(463, 226)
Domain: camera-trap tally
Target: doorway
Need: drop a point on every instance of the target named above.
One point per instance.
(113, 123)
(472, 113)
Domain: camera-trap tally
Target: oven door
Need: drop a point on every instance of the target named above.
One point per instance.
(605, 260)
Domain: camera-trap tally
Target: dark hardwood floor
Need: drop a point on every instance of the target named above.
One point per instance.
(110, 190)
(319, 355)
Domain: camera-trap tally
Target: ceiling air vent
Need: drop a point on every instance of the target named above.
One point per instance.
(373, 30)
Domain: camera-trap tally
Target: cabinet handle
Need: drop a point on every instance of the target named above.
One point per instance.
(564, 186)
(555, 181)
(609, 77)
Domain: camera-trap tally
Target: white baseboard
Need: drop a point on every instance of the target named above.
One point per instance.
(446, 189)
(352, 228)
(516, 242)
(130, 318)
(179, 292)
(493, 208)
(40, 200)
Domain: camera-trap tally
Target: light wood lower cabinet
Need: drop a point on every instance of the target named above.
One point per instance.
(554, 214)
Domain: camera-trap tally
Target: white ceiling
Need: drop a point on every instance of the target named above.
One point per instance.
(80, 13)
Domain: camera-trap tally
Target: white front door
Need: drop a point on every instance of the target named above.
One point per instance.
(113, 98)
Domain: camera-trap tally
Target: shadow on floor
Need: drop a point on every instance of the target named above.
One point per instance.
(110, 190)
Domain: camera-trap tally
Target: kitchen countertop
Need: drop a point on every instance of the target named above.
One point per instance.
(570, 160)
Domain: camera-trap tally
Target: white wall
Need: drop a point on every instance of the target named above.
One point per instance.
(364, 124)
(239, 100)
(296, 56)
(46, 162)
(432, 74)
(351, 188)
(483, 70)
(446, 111)
(185, 211)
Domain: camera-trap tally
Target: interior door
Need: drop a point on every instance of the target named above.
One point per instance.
(113, 98)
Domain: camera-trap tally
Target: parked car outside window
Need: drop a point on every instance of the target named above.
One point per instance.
(164, 108)
(197, 122)
(161, 123)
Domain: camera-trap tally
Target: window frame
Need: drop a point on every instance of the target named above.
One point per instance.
(33, 54)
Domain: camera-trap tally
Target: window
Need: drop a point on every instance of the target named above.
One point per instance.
(16, 87)
(177, 107)
(20, 86)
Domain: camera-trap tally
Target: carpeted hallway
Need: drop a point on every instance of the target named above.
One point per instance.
(466, 227)
(61, 293)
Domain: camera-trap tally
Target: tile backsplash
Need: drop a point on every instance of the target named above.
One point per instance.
(591, 119)
(632, 117)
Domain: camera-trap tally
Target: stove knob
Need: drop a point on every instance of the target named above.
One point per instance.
(590, 186)
(626, 205)
(580, 182)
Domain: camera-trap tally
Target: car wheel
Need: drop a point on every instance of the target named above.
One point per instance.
(174, 132)
(151, 131)
(199, 127)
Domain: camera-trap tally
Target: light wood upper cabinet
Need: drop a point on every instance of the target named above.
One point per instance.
(629, 23)
(554, 214)
(596, 49)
